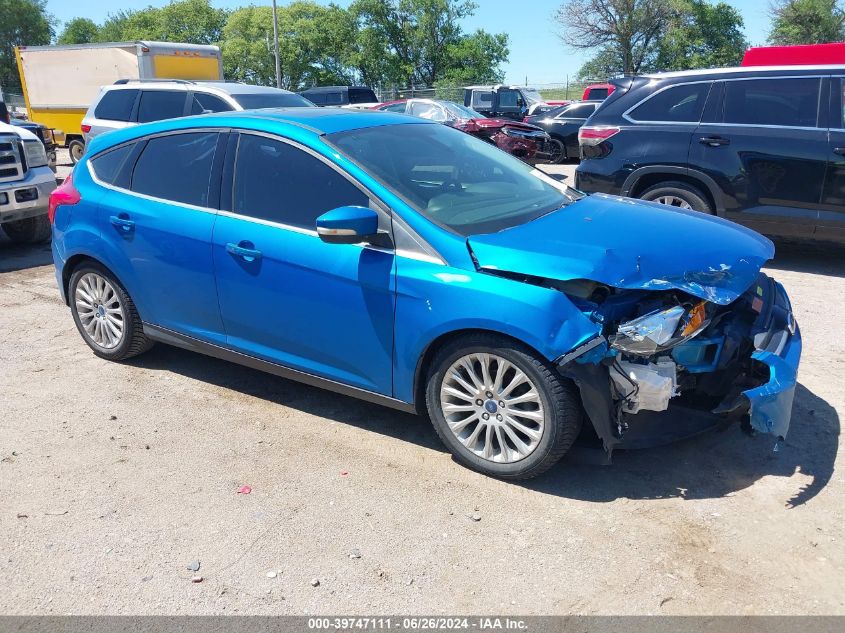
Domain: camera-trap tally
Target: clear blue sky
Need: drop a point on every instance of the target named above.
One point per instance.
(535, 50)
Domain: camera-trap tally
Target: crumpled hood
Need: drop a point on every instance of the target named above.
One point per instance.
(498, 123)
(631, 244)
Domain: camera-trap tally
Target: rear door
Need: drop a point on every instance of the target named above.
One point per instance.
(767, 151)
(831, 222)
(157, 221)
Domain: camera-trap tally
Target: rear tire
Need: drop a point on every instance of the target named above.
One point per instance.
(533, 414)
(677, 194)
(104, 314)
(29, 230)
(76, 148)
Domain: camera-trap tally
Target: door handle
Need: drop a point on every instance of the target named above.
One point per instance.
(714, 141)
(839, 150)
(243, 251)
(122, 222)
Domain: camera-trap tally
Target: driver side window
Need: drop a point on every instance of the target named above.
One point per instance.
(281, 183)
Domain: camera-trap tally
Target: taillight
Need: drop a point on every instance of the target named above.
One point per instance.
(86, 128)
(66, 193)
(594, 135)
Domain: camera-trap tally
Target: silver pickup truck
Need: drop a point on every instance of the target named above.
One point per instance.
(26, 182)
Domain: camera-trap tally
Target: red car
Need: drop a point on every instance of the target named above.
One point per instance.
(522, 140)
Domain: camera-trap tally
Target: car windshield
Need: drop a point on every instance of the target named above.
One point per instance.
(456, 180)
(461, 112)
(258, 100)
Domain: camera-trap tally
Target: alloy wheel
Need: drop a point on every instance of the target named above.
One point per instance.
(492, 407)
(674, 201)
(100, 311)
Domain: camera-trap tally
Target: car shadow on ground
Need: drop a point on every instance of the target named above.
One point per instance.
(709, 466)
(22, 256)
(809, 257)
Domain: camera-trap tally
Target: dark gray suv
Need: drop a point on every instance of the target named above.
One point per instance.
(762, 146)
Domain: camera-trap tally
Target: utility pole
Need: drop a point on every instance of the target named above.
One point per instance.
(276, 47)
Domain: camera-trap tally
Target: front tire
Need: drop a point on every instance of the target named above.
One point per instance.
(677, 194)
(105, 315)
(499, 408)
(29, 230)
(557, 152)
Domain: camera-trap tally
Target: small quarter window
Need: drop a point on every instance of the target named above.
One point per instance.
(678, 104)
(108, 165)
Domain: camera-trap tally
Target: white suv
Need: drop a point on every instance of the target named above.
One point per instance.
(130, 102)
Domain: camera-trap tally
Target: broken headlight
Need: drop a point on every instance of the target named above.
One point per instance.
(659, 330)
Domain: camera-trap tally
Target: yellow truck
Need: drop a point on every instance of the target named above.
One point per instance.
(60, 82)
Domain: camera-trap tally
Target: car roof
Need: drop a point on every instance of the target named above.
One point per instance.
(307, 122)
(318, 89)
(745, 70)
(228, 87)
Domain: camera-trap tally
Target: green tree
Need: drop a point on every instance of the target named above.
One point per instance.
(79, 31)
(807, 22)
(22, 23)
(421, 42)
(316, 44)
(705, 35)
(631, 29)
(189, 21)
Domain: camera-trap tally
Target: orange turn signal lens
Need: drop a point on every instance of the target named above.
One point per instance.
(697, 316)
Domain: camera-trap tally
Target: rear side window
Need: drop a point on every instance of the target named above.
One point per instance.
(678, 104)
(205, 103)
(598, 93)
(281, 183)
(108, 165)
(581, 111)
(788, 102)
(176, 167)
(509, 99)
(116, 105)
(156, 105)
(482, 99)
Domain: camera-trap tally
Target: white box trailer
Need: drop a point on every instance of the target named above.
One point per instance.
(60, 82)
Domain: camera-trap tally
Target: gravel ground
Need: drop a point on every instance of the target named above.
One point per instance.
(114, 478)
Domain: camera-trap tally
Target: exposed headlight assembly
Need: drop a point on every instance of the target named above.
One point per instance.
(660, 330)
(34, 154)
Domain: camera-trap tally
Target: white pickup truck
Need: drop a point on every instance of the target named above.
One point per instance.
(26, 182)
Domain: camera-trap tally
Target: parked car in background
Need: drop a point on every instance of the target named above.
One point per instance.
(26, 182)
(542, 108)
(597, 92)
(762, 146)
(405, 263)
(342, 96)
(128, 103)
(796, 55)
(562, 125)
(44, 134)
(60, 82)
(509, 102)
(523, 140)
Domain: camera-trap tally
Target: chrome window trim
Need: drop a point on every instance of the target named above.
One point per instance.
(841, 77)
(767, 126)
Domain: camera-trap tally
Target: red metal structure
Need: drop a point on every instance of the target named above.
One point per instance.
(800, 55)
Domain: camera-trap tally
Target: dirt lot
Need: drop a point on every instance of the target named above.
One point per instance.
(115, 477)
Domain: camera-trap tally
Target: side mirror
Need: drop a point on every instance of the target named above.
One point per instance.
(348, 225)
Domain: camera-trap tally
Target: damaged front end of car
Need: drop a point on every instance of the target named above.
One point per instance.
(690, 335)
(668, 365)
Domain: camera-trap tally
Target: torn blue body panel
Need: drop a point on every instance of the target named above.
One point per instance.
(771, 403)
(631, 245)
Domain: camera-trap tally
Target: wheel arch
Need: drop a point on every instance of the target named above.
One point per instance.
(424, 363)
(641, 179)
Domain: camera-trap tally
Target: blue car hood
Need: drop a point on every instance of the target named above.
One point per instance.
(631, 244)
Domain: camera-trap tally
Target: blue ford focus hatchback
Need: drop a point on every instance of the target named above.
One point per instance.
(406, 263)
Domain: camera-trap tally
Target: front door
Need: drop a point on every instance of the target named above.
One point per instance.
(767, 152)
(285, 295)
